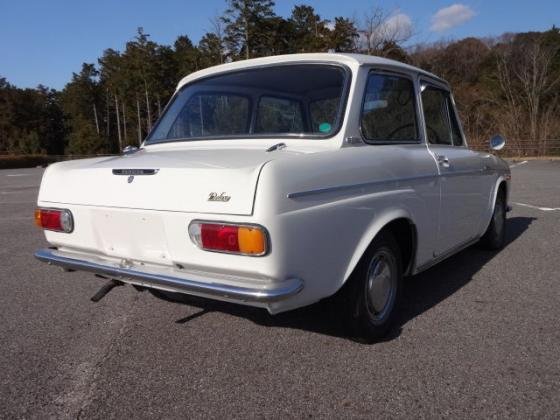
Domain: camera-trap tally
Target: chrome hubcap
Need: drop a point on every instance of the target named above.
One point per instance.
(381, 286)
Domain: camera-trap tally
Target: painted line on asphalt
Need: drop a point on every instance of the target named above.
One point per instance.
(537, 207)
(518, 164)
(18, 174)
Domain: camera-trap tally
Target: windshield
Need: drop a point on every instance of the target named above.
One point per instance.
(299, 100)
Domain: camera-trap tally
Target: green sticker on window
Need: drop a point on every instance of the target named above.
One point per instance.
(324, 127)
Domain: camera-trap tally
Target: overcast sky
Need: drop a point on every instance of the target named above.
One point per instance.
(44, 41)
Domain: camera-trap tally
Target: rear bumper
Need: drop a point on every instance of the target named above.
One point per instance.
(166, 281)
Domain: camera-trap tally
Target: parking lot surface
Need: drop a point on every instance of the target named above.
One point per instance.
(479, 335)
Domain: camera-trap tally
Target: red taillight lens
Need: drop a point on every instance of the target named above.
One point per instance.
(230, 238)
(58, 220)
(219, 237)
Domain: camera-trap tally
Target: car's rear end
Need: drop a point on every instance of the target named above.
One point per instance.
(180, 214)
(177, 221)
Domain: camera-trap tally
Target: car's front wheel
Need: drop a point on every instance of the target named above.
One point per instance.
(495, 236)
(372, 295)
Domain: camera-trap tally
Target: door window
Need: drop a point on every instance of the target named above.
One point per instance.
(442, 126)
(389, 109)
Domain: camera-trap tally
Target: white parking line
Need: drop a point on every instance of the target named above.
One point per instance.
(518, 164)
(538, 208)
(18, 174)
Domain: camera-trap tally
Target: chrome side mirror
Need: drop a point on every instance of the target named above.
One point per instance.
(497, 142)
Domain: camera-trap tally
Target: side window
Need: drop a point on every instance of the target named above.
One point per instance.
(279, 115)
(389, 110)
(434, 102)
(442, 125)
(455, 131)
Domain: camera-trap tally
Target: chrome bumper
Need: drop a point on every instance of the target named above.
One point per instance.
(163, 281)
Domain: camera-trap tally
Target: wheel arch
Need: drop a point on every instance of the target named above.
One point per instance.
(403, 228)
(501, 185)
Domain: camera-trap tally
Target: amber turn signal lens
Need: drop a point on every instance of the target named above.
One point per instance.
(38, 222)
(251, 240)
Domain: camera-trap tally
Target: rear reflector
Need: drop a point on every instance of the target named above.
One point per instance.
(58, 220)
(229, 238)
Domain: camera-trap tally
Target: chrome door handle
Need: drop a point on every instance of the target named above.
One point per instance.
(443, 161)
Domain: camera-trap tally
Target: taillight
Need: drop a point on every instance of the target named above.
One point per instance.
(230, 238)
(58, 220)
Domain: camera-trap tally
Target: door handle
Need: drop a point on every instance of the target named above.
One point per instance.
(443, 161)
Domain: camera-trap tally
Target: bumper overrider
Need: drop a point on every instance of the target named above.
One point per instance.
(165, 280)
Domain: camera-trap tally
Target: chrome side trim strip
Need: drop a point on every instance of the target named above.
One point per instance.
(357, 186)
(337, 188)
(167, 282)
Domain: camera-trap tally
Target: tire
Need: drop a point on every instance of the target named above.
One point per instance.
(495, 236)
(372, 294)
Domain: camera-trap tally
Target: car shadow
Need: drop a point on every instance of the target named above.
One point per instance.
(422, 292)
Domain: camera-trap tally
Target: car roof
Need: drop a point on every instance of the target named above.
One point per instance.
(352, 60)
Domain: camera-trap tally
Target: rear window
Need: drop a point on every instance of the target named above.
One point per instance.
(211, 114)
(279, 115)
(303, 101)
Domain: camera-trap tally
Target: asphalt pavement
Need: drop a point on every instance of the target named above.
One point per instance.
(479, 336)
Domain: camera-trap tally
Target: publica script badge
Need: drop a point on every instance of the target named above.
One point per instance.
(223, 197)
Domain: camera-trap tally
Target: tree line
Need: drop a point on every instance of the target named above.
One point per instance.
(509, 84)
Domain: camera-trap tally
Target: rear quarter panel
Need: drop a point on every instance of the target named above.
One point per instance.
(322, 210)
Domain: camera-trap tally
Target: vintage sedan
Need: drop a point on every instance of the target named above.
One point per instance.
(277, 182)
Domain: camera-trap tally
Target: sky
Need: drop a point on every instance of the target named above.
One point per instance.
(45, 41)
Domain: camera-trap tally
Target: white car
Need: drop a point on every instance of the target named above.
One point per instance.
(277, 182)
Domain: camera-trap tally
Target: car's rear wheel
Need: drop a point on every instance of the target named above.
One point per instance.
(372, 295)
(495, 236)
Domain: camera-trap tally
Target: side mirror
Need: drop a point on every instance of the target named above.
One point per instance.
(497, 142)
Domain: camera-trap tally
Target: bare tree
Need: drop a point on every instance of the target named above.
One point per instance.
(381, 29)
(217, 28)
(527, 83)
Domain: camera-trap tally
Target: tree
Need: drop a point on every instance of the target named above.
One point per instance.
(186, 55)
(210, 50)
(83, 138)
(245, 26)
(342, 38)
(309, 31)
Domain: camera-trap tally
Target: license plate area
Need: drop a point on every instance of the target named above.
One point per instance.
(131, 235)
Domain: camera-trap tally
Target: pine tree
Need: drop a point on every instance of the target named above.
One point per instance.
(245, 26)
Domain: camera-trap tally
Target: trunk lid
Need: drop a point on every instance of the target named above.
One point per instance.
(219, 181)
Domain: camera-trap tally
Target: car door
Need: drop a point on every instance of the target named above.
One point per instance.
(390, 124)
(462, 185)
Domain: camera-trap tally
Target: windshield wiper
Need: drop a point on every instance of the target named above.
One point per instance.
(277, 146)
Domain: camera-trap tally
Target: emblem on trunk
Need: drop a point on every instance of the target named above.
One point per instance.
(135, 171)
(219, 197)
(130, 179)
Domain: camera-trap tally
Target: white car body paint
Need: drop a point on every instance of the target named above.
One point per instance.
(321, 201)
